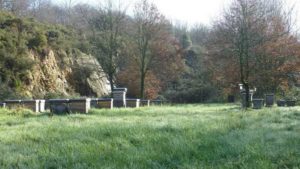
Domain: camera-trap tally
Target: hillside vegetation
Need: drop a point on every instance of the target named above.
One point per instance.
(189, 136)
(146, 52)
(41, 60)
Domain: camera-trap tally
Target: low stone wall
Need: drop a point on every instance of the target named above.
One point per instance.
(133, 103)
(102, 103)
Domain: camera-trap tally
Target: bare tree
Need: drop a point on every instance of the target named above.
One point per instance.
(107, 37)
(37, 6)
(149, 24)
(245, 26)
(18, 7)
(2, 4)
(68, 9)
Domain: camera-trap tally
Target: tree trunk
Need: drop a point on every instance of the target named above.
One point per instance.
(111, 82)
(247, 89)
(143, 75)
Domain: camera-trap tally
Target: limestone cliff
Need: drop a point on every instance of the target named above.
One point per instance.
(65, 75)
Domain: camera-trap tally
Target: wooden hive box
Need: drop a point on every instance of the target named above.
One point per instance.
(31, 104)
(145, 103)
(156, 102)
(119, 96)
(104, 103)
(58, 106)
(80, 105)
(134, 103)
(13, 104)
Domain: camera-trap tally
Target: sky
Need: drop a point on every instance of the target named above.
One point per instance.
(188, 11)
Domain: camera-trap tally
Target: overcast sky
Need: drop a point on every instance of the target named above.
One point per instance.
(187, 11)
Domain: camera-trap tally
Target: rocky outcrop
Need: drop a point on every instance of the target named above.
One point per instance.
(94, 80)
(65, 74)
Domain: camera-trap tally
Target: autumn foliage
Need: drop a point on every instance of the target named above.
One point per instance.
(166, 66)
(255, 46)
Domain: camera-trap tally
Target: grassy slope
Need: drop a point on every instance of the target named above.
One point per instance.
(191, 136)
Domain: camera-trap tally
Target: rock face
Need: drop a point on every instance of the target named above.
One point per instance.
(96, 81)
(65, 74)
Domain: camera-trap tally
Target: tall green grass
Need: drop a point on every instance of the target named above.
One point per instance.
(186, 136)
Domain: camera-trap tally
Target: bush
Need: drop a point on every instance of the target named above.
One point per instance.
(54, 95)
(38, 42)
(52, 35)
(6, 92)
(193, 95)
(293, 94)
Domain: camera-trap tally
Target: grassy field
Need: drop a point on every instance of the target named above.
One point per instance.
(187, 136)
